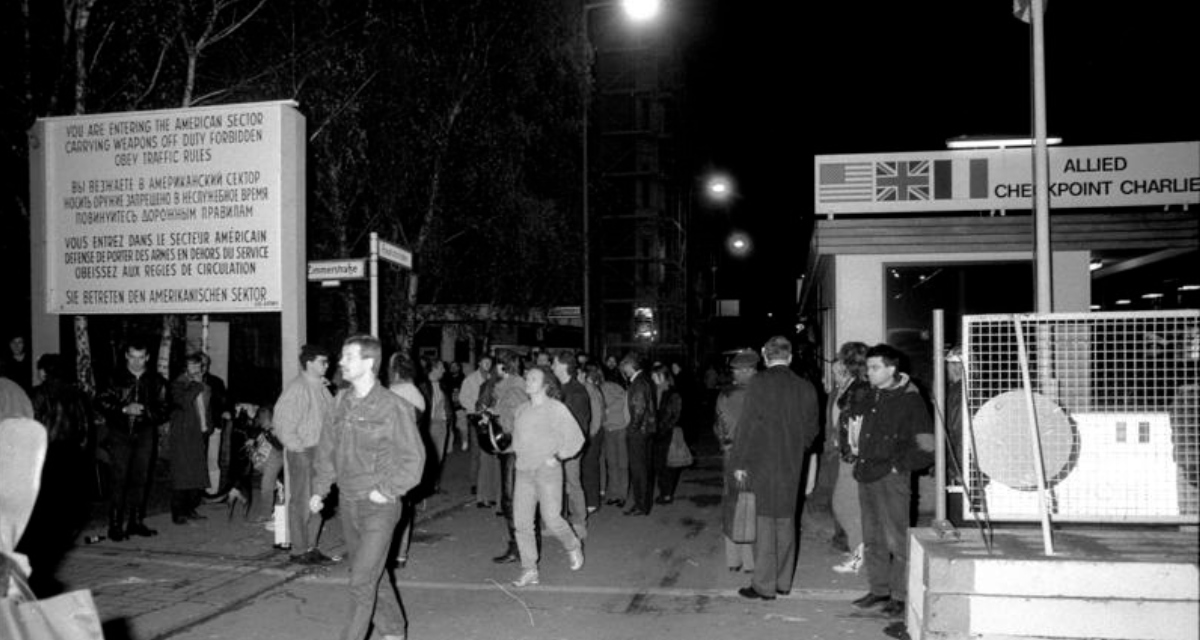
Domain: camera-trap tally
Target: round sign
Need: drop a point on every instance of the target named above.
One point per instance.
(1003, 446)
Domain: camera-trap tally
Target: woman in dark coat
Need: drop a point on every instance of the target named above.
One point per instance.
(670, 408)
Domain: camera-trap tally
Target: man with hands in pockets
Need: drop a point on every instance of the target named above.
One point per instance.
(372, 449)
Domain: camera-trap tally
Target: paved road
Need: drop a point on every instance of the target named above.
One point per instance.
(658, 576)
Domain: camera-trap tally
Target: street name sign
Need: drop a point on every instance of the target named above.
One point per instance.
(395, 255)
(354, 269)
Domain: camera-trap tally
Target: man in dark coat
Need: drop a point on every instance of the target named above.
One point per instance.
(779, 421)
(575, 396)
(191, 422)
(642, 420)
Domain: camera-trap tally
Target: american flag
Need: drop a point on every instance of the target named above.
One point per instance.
(904, 180)
(846, 182)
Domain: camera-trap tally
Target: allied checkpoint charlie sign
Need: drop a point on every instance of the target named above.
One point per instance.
(164, 211)
(1000, 179)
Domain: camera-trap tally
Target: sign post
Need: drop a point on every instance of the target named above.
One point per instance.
(391, 253)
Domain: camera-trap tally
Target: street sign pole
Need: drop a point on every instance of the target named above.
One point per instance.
(374, 284)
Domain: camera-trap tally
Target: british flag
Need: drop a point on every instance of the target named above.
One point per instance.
(902, 180)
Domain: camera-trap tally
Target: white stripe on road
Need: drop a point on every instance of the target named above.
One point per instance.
(821, 595)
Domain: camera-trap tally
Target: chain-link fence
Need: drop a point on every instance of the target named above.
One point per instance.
(1113, 396)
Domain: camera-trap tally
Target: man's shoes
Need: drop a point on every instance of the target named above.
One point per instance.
(116, 534)
(576, 558)
(615, 502)
(195, 515)
(300, 558)
(896, 630)
(664, 500)
(140, 529)
(784, 594)
(852, 563)
(893, 609)
(634, 511)
(508, 557)
(315, 557)
(751, 594)
(870, 600)
(282, 546)
(528, 577)
(179, 519)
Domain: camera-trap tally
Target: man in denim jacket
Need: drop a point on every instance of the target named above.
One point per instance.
(373, 450)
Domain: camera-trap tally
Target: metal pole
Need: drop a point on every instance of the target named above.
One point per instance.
(1035, 440)
(374, 259)
(939, 416)
(585, 311)
(1041, 169)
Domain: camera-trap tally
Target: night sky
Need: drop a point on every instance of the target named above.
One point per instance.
(772, 84)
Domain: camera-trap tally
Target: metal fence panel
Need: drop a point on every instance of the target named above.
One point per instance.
(1115, 399)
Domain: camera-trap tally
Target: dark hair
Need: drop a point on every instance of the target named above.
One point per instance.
(51, 364)
(310, 352)
(664, 370)
(567, 357)
(510, 360)
(137, 344)
(853, 356)
(368, 347)
(194, 357)
(632, 359)
(890, 355)
(401, 367)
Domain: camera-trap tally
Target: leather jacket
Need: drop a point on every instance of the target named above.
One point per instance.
(148, 389)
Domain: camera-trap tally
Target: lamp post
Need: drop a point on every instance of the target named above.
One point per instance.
(637, 11)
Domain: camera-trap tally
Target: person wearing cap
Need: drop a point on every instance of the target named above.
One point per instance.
(739, 556)
(780, 420)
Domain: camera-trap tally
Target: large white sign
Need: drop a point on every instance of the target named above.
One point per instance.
(998, 179)
(173, 211)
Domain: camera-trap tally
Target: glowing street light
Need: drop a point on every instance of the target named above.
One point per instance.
(739, 244)
(719, 188)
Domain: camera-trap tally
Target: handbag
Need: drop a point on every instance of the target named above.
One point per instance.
(491, 436)
(68, 616)
(678, 455)
(745, 518)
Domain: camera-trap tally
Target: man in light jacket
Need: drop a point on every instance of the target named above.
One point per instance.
(301, 412)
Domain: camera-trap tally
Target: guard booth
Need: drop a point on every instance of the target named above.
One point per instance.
(906, 233)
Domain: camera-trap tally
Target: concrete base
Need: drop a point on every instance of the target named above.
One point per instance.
(1098, 584)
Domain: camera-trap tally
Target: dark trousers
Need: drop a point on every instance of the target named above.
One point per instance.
(885, 504)
(589, 469)
(508, 476)
(641, 469)
(667, 477)
(368, 529)
(184, 501)
(131, 461)
(774, 555)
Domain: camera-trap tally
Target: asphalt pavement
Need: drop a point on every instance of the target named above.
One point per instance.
(220, 577)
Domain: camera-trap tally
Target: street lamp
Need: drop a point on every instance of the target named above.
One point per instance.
(636, 11)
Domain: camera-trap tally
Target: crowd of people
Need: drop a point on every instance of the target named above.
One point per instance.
(567, 436)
